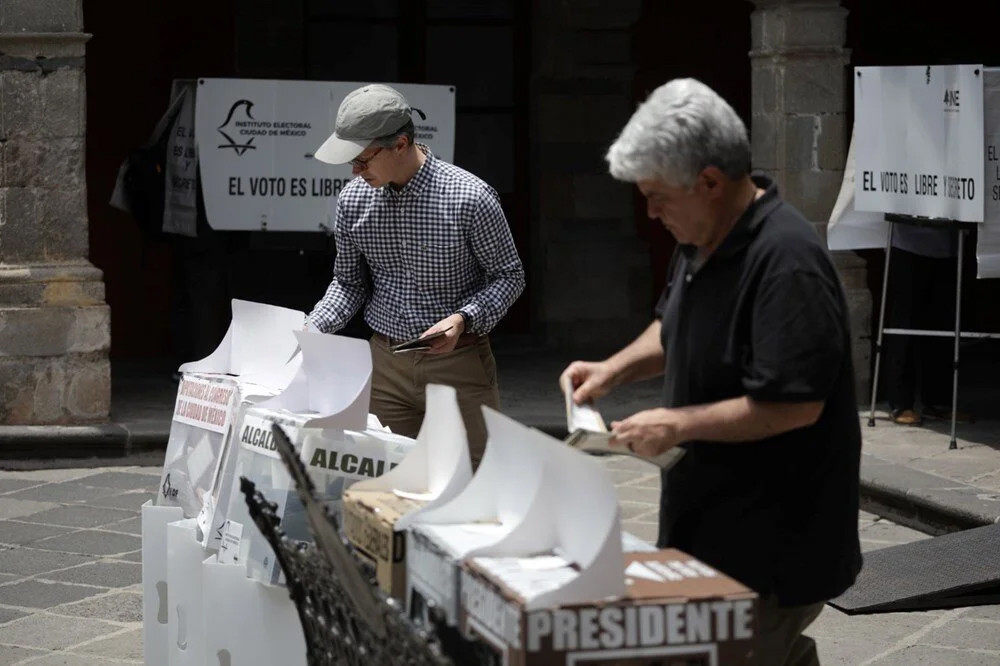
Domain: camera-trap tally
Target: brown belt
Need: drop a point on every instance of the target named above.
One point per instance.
(464, 340)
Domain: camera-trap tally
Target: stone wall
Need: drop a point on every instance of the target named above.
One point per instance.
(54, 323)
(799, 130)
(589, 272)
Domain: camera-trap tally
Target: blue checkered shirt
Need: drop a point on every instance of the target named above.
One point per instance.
(413, 256)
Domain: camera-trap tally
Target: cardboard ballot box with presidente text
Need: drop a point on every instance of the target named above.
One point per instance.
(530, 558)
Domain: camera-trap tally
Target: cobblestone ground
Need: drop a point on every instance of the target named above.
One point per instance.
(70, 576)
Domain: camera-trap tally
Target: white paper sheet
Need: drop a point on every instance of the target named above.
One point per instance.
(439, 465)
(257, 345)
(573, 514)
(333, 381)
(988, 238)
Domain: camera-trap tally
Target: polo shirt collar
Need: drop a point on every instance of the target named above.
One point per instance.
(747, 225)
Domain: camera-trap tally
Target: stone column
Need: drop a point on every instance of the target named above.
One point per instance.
(589, 274)
(799, 129)
(54, 323)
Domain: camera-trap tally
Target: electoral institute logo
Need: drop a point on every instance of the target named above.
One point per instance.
(241, 128)
(238, 118)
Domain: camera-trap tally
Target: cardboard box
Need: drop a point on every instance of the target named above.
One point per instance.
(370, 519)
(434, 556)
(675, 610)
(335, 459)
(378, 512)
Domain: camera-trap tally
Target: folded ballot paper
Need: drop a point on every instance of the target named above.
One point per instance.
(377, 512)
(588, 433)
(324, 413)
(250, 364)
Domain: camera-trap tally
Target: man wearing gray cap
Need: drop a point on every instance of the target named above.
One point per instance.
(424, 246)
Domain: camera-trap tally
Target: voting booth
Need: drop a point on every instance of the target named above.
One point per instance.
(925, 151)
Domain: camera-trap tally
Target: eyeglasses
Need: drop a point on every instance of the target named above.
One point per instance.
(362, 164)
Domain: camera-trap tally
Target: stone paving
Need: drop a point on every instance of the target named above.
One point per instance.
(70, 588)
(70, 572)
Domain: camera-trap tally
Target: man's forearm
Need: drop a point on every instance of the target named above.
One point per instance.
(744, 419)
(641, 359)
(488, 306)
(335, 309)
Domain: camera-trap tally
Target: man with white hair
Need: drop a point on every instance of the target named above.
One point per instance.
(751, 335)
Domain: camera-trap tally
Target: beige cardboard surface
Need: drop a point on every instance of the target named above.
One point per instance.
(370, 524)
(682, 612)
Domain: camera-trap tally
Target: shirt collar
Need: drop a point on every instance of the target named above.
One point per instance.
(747, 225)
(423, 176)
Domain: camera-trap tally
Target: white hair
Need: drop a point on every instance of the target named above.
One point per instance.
(681, 128)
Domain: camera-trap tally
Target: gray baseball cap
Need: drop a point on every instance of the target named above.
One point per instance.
(367, 113)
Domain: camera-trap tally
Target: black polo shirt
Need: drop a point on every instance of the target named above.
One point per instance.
(765, 316)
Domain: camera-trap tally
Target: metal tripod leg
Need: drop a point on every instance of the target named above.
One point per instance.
(958, 335)
(881, 325)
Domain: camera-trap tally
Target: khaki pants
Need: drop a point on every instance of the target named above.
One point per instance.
(779, 638)
(398, 382)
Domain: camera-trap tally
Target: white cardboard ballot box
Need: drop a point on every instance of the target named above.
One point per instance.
(334, 458)
(253, 361)
(185, 614)
(248, 623)
(155, 586)
(523, 500)
(324, 412)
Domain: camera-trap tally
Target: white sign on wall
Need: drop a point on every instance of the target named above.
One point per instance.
(919, 137)
(988, 236)
(256, 140)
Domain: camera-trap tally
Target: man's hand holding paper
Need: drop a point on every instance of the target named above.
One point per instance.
(650, 432)
(588, 380)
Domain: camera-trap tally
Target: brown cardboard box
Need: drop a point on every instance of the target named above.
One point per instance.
(676, 611)
(370, 525)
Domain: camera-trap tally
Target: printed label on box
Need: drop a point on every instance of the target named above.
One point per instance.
(203, 403)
